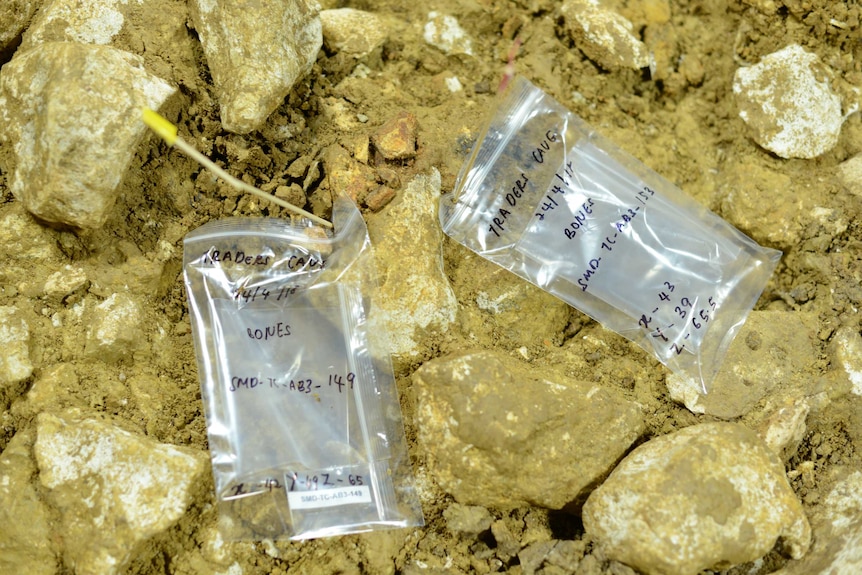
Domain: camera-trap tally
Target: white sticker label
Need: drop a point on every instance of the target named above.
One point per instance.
(329, 497)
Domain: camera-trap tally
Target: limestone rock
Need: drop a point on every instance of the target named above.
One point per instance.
(414, 296)
(256, 55)
(603, 35)
(788, 103)
(14, 17)
(34, 243)
(115, 330)
(444, 32)
(837, 524)
(507, 544)
(850, 173)
(772, 349)
(64, 283)
(469, 520)
(707, 497)
(53, 389)
(72, 119)
(351, 31)
(848, 353)
(15, 364)
(784, 426)
(499, 434)
(25, 539)
(113, 489)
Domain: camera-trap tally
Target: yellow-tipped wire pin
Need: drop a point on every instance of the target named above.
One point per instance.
(168, 132)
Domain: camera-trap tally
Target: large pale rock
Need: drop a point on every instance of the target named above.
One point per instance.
(72, 115)
(15, 364)
(115, 328)
(773, 349)
(14, 16)
(414, 296)
(788, 103)
(837, 523)
(256, 51)
(604, 36)
(351, 31)
(25, 539)
(499, 434)
(707, 497)
(112, 489)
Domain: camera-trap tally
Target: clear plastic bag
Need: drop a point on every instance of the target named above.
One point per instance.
(546, 197)
(303, 418)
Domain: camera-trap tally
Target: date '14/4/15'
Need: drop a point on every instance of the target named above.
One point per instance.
(690, 317)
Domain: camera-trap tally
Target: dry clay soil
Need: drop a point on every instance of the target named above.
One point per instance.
(681, 120)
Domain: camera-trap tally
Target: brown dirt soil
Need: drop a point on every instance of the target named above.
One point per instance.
(681, 121)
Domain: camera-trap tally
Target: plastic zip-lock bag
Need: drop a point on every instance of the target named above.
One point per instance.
(546, 197)
(303, 419)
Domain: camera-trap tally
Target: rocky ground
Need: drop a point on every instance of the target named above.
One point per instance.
(747, 105)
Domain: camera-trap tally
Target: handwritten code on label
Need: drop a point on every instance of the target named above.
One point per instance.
(329, 497)
(305, 385)
(689, 316)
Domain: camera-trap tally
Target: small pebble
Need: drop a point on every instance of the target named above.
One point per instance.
(378, 199)
(444, 32)
(351, 31)
(396, 139)
(15, 364)
(604, 36)
(453, 84)
(469, 520)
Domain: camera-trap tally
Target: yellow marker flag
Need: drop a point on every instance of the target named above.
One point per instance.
(168, 132)
(161, 126)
